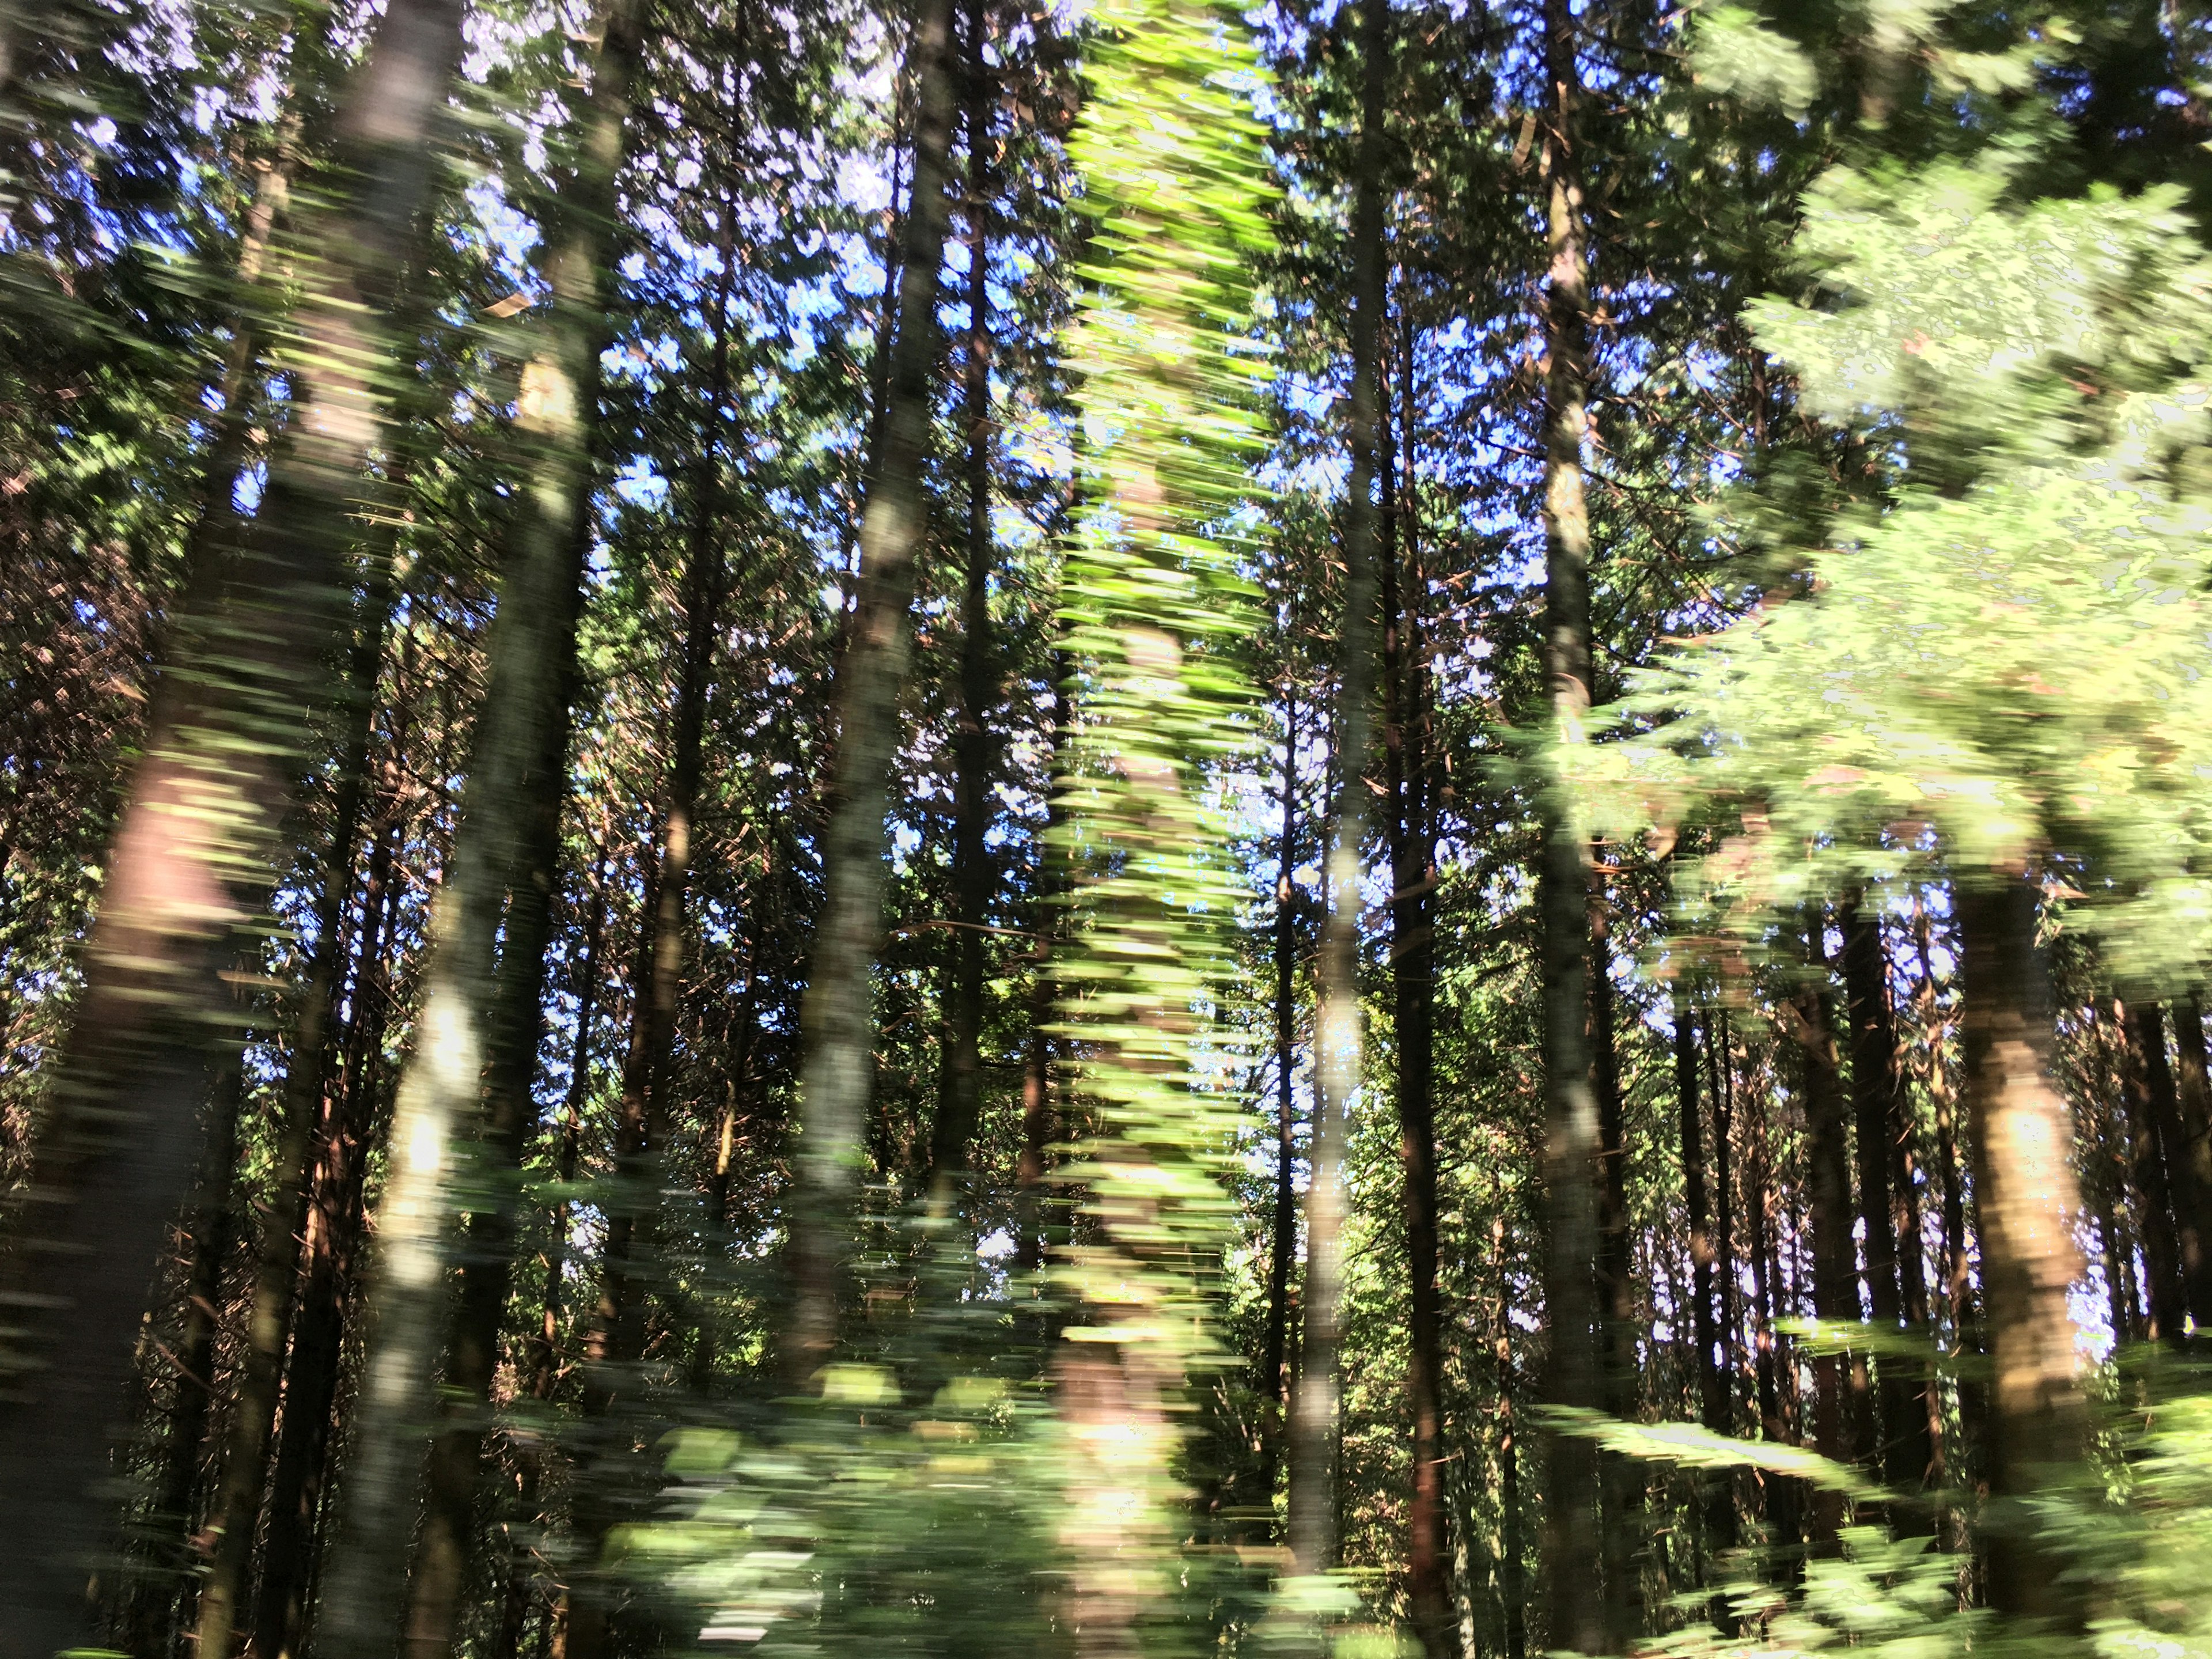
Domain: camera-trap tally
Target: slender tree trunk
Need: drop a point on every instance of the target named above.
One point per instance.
(837, 1020)
(191, 852)
(961, 1099)
(333, 1239)
(1782, 1491)
(1038, 1125)
(1512, 1575)
(544, 1370)
(2021, 1139)
(1573, 1548)
(1283, 1233)
(469, 1018)
(1412, 838)
(2162, 1180)
(1712, 1403)
(2193, 1098)
(1835, 1285)
(1623, 1491)
(1315, 1403)
(1886, 1210)
(239, 1490)
(1720, 1078)
(155, 1602)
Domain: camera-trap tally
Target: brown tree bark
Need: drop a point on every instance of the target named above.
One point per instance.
(348, 1130)
(239, 1489)
(1622, 1482)
(1573, 1550)
(1828, 1192)
(837, 1020)
(975, 751)
(465, 1093)
(1711, 1401)
(1283, 1230)
(1337, 1042)
(2022, 1136)
(2161, 1171)
(2193, 1100)
(190, 858)
(1891, 1220)
(1413, 844)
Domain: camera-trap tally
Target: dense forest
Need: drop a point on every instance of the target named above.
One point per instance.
(943, 827)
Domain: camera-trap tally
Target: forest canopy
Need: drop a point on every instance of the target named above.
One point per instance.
(937, 827)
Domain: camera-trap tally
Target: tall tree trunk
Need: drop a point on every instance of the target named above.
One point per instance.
(837, 1020)
(2021, 1138)
(1037, 1126)
(331, 1245)
(1828, 1192)
(1622, 1490)
(1283, 1231)
(961, 1099)
(1712, 1403)
(2193, 1098)
(472, 1025)
(1782, 1491)
(1720, 1078)
(1412, 838)
(1572, 1544)
(544, 1367)
(1512, 1578)
(2162, 1179)
(307, 1085)
(1338, 1043)
(192, 853)
(1883, 1204)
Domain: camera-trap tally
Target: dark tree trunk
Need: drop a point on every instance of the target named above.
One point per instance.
(1283, 1231)
(961, 1099)
(2021, 1136)
(479, 1017)
(1711, 1401)
(306, 1087)
(1622, 1477)
(1511, 1577)
(1828, 1192)
(2160, 1178)
(1892, 1223)
(837, 1019)
(1037, 1119)
(190, 854)
(1782, 1494)
(1413, 841)
(331, 1243)
(2193, 1098)
(1720, 1076)
(1573, 1549)
(1315, 1400)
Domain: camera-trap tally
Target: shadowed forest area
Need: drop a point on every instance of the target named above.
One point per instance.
(950, 828)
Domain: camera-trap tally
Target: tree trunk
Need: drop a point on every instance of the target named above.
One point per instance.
(1621, 1476)
(239, 1490)
(1712, 1403)
(837, 1020)
(1283, 1232)
(2194, 1103)
(1782, 1490)
(332, 1244)
(2021, 1138)
(961, 1099)
(470, 1020)
(1338, 1045)
(1720, 1076)
(191, 852)
(2162, 1178)
(1512, 1579)
(1828, 1192)
(1412, 838)
(1572, 1546)
(1037, 1126)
